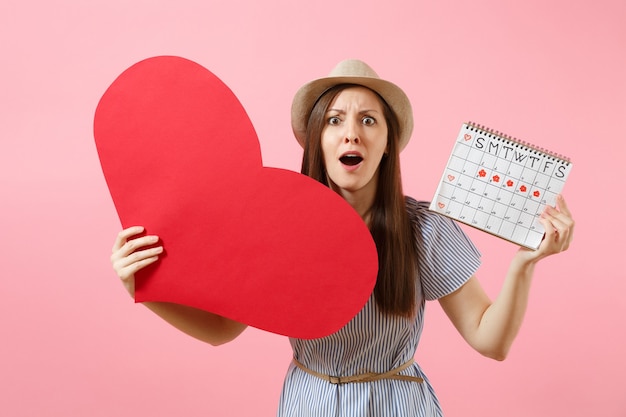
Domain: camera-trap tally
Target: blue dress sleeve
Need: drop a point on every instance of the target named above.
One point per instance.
(446, 256)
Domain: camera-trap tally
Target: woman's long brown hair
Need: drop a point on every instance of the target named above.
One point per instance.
(390, 225)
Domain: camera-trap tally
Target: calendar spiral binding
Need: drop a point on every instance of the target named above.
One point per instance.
(517, 142)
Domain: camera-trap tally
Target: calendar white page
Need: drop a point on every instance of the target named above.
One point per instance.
(500, 185)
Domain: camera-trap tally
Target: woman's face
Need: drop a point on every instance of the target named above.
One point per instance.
(354, 140)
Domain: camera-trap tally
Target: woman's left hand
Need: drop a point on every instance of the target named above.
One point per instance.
(559, 226)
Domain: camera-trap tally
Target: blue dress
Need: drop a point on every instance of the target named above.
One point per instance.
(374, 342)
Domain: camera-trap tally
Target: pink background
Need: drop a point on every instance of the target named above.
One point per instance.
(74, 344)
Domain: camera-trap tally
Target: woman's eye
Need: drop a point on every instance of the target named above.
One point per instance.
(334, 120)
(369, 121)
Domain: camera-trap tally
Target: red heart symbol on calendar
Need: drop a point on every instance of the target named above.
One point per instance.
(264, 246)
(467, 137)
(441, 205)
(451, 177)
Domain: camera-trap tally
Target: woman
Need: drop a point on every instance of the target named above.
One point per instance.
(352, 126)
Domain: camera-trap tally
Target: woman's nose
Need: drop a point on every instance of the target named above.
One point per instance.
(352, 133)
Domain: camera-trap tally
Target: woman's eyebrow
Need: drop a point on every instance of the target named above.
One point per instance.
(335, 110)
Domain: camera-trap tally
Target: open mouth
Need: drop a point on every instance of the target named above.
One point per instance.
(351, 160)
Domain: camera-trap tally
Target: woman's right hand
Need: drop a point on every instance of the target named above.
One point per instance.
(131, 253)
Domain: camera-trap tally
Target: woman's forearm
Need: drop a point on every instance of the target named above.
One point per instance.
(202, 325)
(502, 320)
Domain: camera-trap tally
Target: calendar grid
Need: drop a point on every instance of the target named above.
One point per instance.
(499, 184)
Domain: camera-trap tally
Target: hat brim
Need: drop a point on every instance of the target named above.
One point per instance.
(306, 97)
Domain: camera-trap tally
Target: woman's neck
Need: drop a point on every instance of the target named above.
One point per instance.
(361, 201)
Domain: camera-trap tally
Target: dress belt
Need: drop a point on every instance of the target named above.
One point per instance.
(365, 377)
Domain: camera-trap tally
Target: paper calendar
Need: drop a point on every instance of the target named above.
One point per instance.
(499, 184)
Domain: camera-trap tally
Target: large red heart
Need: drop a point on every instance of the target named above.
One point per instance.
(265, 246)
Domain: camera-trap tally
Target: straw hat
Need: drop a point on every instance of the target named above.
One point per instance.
(351, 71)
